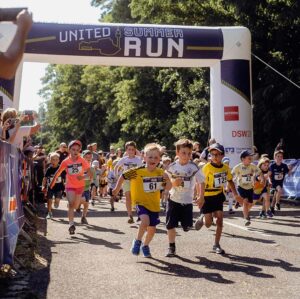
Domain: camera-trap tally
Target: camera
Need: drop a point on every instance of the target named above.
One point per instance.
(10, 14)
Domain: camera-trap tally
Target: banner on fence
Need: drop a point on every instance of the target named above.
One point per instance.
(11, 212)
(291, 184)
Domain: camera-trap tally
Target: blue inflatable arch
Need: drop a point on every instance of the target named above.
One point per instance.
(225, 50)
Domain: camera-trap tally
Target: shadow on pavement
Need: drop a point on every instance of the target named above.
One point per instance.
(173, 269)
(227, 235)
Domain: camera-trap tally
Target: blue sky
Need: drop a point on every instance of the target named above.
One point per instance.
(52, 11)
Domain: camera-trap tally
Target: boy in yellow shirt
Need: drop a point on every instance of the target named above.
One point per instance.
(145, 184)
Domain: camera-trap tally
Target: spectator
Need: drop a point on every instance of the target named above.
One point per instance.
(95, 155)
(111, 152)
(196, 150)
(16, 132)
(63, 152)
(10, 59)
(256, 155)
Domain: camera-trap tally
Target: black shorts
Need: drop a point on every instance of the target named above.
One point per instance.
(213, 203)
(246, 194)
(177, 212)
(55, 194)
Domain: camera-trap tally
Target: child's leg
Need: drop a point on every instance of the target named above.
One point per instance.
(49, 205)
(171, 235)
(208, 220)
(230, 201)
(150, 234)
(85, 208)
(219, 229)
(145, 221)
(128, 203)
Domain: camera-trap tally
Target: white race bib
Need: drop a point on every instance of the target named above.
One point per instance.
(246, 179)
(74, 169)
(278, 176)
(152, 184)
(220, 179)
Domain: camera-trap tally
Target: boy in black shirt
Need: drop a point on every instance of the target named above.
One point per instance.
(58, 189)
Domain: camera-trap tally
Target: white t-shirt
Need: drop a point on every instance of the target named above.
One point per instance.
(190, 173)
(126, 163)
(23, 131)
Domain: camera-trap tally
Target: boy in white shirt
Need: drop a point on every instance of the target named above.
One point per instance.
(185, 176)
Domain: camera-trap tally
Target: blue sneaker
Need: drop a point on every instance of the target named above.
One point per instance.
(136, 246)
(146, 251)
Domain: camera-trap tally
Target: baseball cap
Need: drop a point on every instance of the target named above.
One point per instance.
(245, 154)
(74, 142)
(217, 146)
(95, 163)
(226, 160)
(86, 152)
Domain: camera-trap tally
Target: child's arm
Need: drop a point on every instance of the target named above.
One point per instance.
(44, 184)
(57, 174)
(117, 189)
(235, 194)
(200, 187)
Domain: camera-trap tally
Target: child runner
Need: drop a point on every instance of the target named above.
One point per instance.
(96, 180)
(244, 174)
(278, 172)
(145, 184)
(112, 182)
(185, 176)
(57, 190)
(217, 174)
(75, 166)
(261, 187)
(125, 163)
(86, 194)
(228, 192)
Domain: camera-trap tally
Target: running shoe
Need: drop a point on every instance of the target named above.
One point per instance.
(171, 251)
(84, 220)
(146, 251)
(185, 228)
(262, 214)
(78, 210)
(136, 246)
(130, 220)
(247, 221)
(93, 202)
(269, 214)
(237, 205)
(272, 210)
(278, 206)
(72, 229)
(112, 209)
(217, 249)
(199, 223)
(49, 215)
(231, 211)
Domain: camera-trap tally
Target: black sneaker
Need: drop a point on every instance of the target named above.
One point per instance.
(72, 229)
(112, 209)
(278, 206)
(217, 249)
(237, 205)
(272, 210)
(231, 211)
(171, 252)
(84, 220)
(130, 220)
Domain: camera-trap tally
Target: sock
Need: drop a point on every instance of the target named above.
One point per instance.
(71, 223)
(171, 244)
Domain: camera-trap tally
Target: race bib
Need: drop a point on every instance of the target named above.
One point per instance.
(186, 184)
(129, 165)
(278, 176)
(59, 180)
(246, 179)
(74, 169)
(152, 184)
(220, 179)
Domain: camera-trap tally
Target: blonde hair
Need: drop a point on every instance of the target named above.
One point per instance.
(152, 147)
(9, 113)
(52, 155)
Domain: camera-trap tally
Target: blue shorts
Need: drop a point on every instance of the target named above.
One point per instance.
(177, 212)
(153, 216)
(87, 195)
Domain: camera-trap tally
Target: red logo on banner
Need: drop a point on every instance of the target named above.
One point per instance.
(12, 204)
(231, 113)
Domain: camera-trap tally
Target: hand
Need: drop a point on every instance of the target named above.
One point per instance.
(177, 182)
(200, 201)
(6, 124)
(24, 20)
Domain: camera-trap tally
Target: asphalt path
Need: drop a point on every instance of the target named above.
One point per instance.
(261, 261)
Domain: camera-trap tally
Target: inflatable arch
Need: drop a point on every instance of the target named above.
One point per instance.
(225, 50)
